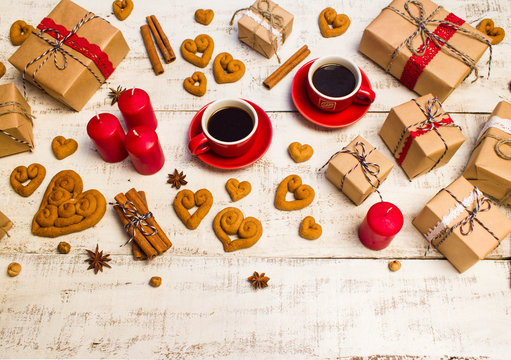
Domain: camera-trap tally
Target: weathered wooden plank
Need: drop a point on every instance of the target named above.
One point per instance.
(206, 309)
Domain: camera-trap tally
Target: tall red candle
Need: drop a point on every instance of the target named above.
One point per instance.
(144, 150)
(108, 136)
(382, 222)
(136, 109)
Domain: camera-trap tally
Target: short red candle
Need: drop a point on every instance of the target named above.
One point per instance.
(144, 150)
(382, 222)
(108, 136)
(136, 109)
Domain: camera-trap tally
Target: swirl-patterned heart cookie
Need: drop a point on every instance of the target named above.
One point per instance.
(309, 229)
(196, 84)
(230, 221)
(339, 22)
(35, 173)
(186, 199)
(496, 34)
(19, 32)
(202, 44)
(66, 209)
(237, 190)
(204, 17)
(122, 9)
(300, 153)
(303, 194)
(62, 147)
(226, 69)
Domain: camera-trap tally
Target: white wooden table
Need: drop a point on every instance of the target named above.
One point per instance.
(329, 298)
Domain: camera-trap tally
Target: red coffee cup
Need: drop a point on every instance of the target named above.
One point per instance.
(204, 141)
(359, 95)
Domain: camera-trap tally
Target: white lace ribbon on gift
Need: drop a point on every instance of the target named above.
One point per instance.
(264, 23)
(454, 212)
(498, 123)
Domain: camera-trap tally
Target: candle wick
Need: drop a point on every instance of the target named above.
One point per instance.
(388, 210)
(135, 132)
(132, 91)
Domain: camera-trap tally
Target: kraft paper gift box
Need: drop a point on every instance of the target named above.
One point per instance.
(256, 30)
(5, 225)
(15, 122)
(437, 71)
(85, 60)
(463, 237)
(421, 135)
(489, 167)
(346, 172)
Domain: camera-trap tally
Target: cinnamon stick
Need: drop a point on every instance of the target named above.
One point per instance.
(133, 196)
(164, 38)
(159, 42)
(286, 67)
(138, 254)
(151, 50)
(139, 238)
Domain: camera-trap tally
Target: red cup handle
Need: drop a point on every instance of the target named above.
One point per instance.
(198, 144)
(364, 96)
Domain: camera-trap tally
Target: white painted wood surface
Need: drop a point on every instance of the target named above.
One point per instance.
(327, 298)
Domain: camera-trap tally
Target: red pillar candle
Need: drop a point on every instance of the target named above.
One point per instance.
(144, 150)
(136, 109)
(108, 136)
(382, 222)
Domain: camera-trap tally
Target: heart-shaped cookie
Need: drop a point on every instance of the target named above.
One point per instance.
(196, 84)
(19, 32)
(309, 229)
(339, 22)
(63, 147)
(226, 69)
(303, 194)
(122, 9)
(230, 221)
(203, 44)
(35, 173)
(300, 153)
(204, 17)
(487, 27)
(237, 190)
(186, 199)
(66, 209)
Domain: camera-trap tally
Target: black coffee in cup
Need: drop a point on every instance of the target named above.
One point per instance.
(334, 80)
(230, 124)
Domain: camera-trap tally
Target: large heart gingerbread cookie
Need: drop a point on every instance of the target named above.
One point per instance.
(66, 209)
(35, 173)
(226, 69)
(186, 199)
(230, 221)
(203, 44)
(339, 22)
(303, 194)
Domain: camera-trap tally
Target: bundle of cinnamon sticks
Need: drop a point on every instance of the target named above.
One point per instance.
(148, 238)
(153, 26)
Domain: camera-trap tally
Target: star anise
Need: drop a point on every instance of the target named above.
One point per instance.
(259, 281)
(97, 260)
(177, 179)
(114, 94)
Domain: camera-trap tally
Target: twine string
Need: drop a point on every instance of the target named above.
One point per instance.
(17, 109)
(136, 220)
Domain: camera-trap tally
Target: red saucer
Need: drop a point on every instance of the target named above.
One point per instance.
(262, 142)
(327, 119)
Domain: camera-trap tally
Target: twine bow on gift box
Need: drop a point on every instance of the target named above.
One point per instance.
(18, 109)
(275, 21)
(432, 41)
(435, 117)
(136, 220)
(70, 38)
(369, 169)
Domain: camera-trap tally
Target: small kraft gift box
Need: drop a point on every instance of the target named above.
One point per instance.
(15, 122)
(421, 135)
(358, 170)
(264, 26)
(427, 48)
(462, 224)
(70, 54)
(489, 167)
(5, 225)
